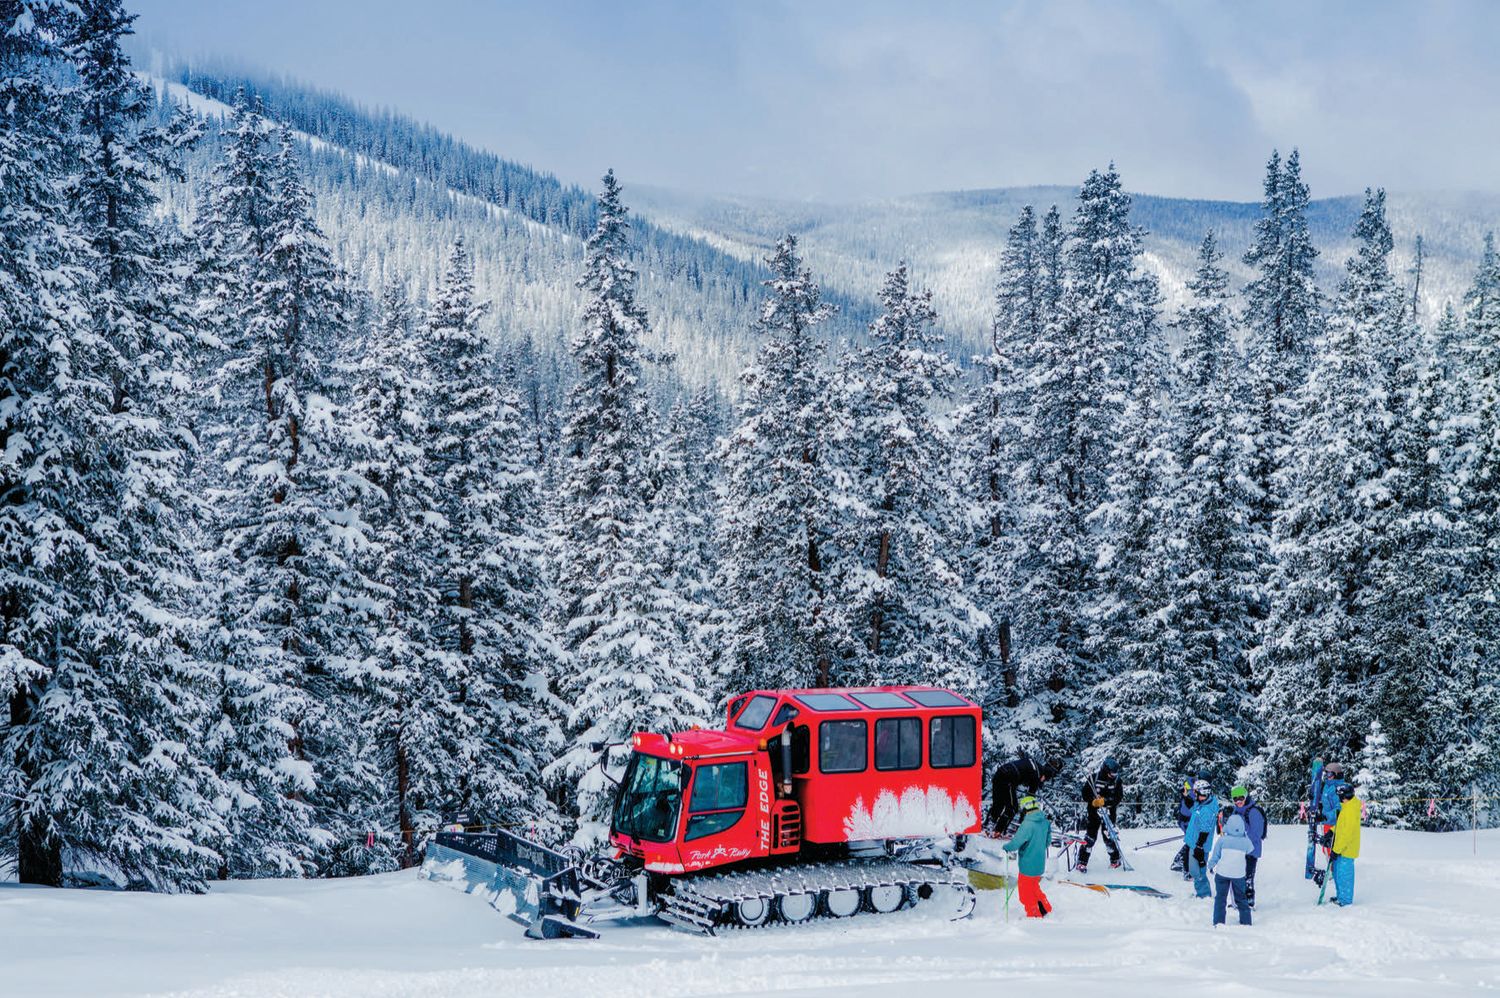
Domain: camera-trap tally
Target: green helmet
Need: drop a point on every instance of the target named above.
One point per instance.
(1239, 793)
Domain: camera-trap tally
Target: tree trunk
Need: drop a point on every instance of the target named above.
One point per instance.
(403, 793)
(38, 854)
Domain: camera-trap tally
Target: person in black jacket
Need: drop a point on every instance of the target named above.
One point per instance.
(1012, 780)
(1184, 812)
(1102, 790)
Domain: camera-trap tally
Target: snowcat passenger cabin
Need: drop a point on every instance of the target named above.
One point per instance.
(827, 772)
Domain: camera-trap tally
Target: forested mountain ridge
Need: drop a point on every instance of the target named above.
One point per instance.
(953, 240)
(393, 193)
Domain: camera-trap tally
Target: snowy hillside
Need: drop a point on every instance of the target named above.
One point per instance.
(393, 195)
(1424, 919)
(953, 240)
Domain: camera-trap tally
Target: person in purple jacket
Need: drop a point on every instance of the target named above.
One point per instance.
(1255, 828)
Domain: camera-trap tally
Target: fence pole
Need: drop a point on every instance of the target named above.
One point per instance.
(1476, 821)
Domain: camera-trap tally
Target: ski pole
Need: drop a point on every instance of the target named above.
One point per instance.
(1010, 886)
(1158, 842)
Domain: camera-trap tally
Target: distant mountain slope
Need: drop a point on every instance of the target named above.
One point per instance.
(393, 194)
(953, 240)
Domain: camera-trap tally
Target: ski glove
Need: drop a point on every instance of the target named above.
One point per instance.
(1199, 857)
(1328, 839)
(1097, 802)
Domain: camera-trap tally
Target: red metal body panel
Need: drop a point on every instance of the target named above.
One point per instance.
(887, 767)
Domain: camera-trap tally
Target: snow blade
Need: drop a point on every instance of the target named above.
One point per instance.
(529, 883)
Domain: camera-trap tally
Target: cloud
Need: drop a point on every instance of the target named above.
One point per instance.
(854, 100)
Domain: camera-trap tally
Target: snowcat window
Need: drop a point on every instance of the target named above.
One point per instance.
(952, 742)
(724, 790)
(822, 702)
(700, 825)
(785, 714)
(937, 698)
(721, 787)
(841, 746)
(898, 743)
(650, 796)
(882, 701)
(754, 717)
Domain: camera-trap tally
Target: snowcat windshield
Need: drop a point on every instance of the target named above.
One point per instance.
(650, 796)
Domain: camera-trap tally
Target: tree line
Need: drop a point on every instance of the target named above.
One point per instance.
(291, 569)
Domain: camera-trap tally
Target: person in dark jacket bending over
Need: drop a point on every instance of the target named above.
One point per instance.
(1102, 790)
(1013, 780)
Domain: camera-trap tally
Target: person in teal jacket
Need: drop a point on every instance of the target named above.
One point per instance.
(1030, 846)
(1199, 834)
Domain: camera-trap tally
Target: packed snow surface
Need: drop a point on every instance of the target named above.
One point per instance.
(1426, 922)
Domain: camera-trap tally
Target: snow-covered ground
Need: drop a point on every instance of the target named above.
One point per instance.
(1426, 922)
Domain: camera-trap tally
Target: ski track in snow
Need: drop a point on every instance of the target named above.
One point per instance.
(1427, 921)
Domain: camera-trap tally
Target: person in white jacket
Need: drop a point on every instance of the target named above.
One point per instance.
(1227, 865)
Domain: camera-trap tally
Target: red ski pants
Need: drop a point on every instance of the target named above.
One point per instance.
(1032, 898)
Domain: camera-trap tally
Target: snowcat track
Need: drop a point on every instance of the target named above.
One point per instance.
(707, 904)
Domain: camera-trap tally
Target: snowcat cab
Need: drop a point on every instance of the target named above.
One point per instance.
(808, 802)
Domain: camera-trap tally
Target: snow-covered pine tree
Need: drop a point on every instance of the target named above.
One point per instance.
(498, 651)
(781, 626)
(105, 700)
(683, 507)
(1077, 377)
(1473, 688)
(900, 532)
(1282, 317)
(1380, 785)
(403, 672)
(990, 427)
(1216, 578)
(45, 437)
(1416, 604)
(627, 671)
(288, 544)
(1315, 654)
(1142, 707)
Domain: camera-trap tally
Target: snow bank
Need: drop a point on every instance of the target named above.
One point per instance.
(1425, 924)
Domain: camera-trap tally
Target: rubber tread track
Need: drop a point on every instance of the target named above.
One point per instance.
(703, 903)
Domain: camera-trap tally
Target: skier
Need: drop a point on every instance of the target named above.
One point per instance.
(1184, 812)
(1102, 790)
(1199, 835)
(1030, 846)
(1345, 845)
(1254, 818)
(1021, 773)
(1328, 805)
(1229, 864)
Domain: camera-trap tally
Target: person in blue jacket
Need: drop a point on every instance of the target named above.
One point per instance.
(1255, 830)
(1229, 862)
(1199, 835)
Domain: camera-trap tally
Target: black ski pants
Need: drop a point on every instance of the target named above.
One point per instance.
(1091, 832)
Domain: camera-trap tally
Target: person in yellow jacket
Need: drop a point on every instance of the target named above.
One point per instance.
(1346, 845)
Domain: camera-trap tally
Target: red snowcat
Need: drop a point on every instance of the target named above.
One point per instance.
(809, 803)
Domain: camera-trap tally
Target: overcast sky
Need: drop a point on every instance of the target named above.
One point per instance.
(819, 99)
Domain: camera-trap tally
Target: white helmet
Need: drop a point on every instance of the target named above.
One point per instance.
(1203, 788)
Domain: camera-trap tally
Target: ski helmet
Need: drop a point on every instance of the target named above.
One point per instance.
(1029, 803)
(1110, 765)
(1239, 793)
(1345, 791)
(1335, 770)
(1051, 768)
(1203, 788)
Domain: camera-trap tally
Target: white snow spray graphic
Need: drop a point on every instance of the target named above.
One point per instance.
(917, 812)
